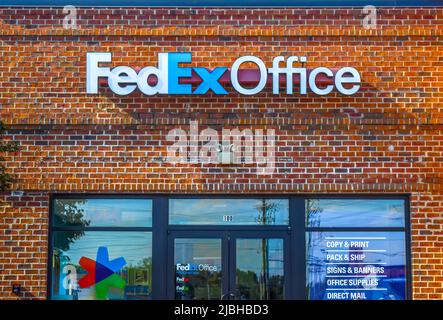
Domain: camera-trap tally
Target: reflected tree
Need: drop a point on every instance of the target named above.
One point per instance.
(266, 215)
(313, 211)
(267, 210)
(312, 215)
(69, 212)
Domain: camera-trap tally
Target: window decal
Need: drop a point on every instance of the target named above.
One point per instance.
(102, 273)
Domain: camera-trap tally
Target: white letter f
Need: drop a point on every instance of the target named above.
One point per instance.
(93, 72)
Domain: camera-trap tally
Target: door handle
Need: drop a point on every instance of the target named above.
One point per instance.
(228, 295)
(224, 296)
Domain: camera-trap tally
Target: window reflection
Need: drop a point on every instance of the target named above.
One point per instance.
(198, 269)
(362, 213)
(229, 211)
(356, 265)
(259, 269)
(103, 212)
(131, 279)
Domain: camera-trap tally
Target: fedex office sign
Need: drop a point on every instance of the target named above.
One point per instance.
(169, 72)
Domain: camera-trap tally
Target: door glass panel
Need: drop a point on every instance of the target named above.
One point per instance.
(229, 211)
(259, 269)
(198, 269)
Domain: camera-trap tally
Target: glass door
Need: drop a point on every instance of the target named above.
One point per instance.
(258, 265)
(197, 265)
(223, 265)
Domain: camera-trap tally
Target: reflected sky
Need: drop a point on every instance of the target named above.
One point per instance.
(133, 246)
(117, 212)
(211, 211)
(357, 213)
(249, 256)
(198, 251)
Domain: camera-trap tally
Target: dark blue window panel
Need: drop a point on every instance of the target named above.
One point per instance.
(356, 265)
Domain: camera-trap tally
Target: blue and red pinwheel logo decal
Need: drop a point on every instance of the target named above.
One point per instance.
(102, 273)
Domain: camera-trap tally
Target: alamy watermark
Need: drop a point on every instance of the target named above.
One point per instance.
(70, 20)
(232, 146)
(370, 19)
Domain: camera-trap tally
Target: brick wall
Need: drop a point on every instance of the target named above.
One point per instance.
(390, 141)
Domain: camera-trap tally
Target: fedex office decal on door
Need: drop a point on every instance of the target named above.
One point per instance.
(170, 74)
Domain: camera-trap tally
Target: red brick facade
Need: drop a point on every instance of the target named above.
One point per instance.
(385, 139)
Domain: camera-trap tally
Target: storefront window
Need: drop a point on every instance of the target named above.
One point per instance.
(103, 212)
(356, 265)
(358, 213)
(361, 264)
(229, 248)
(97, 263)
(229, 211)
